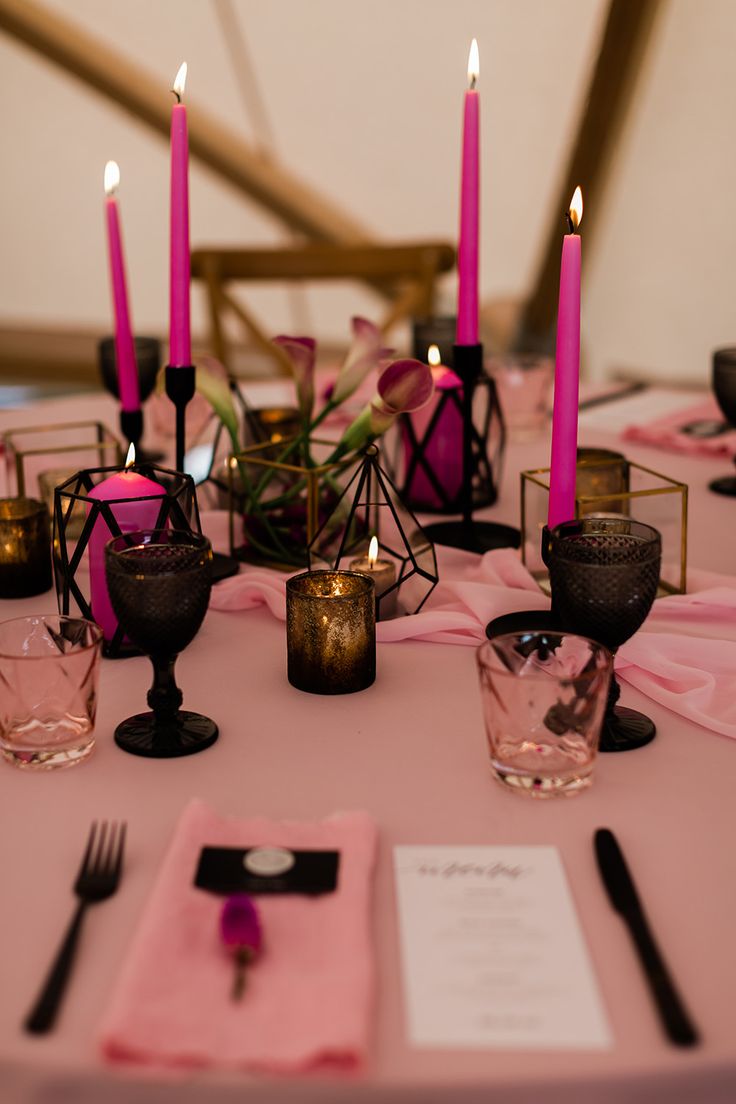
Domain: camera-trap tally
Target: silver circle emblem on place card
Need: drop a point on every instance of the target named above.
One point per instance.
(268, 860)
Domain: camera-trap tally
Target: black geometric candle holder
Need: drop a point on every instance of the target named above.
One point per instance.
(175, 508)
(432, 463)
(404, 567)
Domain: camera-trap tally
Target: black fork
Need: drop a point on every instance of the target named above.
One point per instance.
(98, 878)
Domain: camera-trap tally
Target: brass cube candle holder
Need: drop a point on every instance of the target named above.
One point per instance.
(68, 446)
(276, 506)
(609, 484)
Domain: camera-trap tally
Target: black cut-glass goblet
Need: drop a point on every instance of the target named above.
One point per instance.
(604, 574)
(724, 389)
(159, 582)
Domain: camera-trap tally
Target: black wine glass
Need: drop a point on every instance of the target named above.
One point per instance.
(604, 574)
(724, 388)
(159, 582)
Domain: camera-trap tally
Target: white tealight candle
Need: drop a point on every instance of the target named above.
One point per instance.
(383, 573)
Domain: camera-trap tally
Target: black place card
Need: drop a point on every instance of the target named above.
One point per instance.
(266, 870)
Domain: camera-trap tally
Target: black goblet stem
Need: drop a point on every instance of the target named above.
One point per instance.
(165, 698)
(180, 387)
(623, 729)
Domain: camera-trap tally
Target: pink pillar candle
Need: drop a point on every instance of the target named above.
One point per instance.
(467, 252)
(563, 459)
(117, 490)
(443, 451)
(180, 342)
(128, 389)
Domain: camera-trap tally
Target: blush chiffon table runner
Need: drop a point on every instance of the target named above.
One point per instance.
(410, 751)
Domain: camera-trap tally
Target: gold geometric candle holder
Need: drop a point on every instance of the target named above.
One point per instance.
(69, 445)
(607, 483)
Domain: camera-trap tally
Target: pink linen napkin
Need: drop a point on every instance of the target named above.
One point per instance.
(309, 995)
(665, 432)
(688, 674)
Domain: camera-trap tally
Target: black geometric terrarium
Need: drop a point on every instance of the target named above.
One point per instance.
(372, 531)
(154, 498)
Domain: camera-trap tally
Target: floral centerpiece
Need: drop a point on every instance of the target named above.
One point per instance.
(284, 499)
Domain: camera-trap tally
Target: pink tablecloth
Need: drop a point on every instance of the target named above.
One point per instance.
(411, 751)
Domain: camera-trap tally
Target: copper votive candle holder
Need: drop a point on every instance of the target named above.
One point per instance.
(331, 631)
(25, 548)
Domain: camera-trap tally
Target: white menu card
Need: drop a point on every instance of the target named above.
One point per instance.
(493, 955)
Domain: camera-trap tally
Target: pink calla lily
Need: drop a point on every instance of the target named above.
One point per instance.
(302, 354)
(363, 356)
(403, 387)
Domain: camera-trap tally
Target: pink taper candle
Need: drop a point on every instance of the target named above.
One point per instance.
(567, 377)
(180, 344)
(124, 348)
(467, 251)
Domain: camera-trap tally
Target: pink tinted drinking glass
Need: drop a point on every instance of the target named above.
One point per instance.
(523, 384)
(543, 697)
(49, 667)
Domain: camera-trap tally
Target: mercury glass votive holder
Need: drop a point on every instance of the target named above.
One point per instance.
(25, 548)
(331, 631)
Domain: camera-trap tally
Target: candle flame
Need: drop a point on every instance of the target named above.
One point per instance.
(373, 551)
(473, 64)
(180, 81)
(130, 458)
(576, 208)
(112, 177)
(433, 356)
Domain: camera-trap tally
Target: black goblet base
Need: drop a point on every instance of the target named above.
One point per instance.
(625, 730)
(726, 485)
(473, 536)
(185, 734)
(523, 621)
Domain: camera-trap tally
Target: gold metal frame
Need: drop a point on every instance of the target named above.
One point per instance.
(312, 476)
(106, 439)
(586, 504)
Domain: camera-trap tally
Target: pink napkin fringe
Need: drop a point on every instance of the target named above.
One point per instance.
(688, 674)
(309, 997)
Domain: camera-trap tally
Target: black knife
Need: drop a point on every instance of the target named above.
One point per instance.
(625, 900)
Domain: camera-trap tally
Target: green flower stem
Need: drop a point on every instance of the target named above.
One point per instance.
(302, 439)
(257, 510)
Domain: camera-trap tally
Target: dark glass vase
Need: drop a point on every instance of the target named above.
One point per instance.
(604, 574)
(159, 582)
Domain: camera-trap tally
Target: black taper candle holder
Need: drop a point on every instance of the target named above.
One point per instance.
(131, 427)
(470, 535)
(180, 387)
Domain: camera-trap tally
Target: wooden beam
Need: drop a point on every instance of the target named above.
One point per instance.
(149, 100)
(623, 45)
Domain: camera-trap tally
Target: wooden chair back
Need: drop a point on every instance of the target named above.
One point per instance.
(406, 275)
